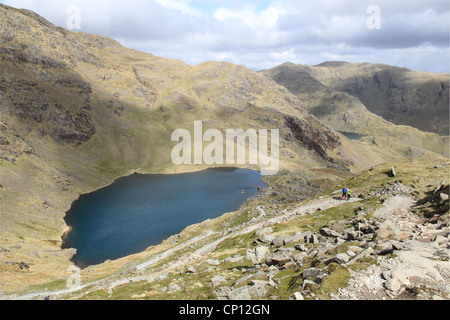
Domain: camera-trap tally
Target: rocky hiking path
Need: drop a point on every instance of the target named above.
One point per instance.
(411, 256)
(421, 257)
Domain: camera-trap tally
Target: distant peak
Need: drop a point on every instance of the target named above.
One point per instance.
(331, 64)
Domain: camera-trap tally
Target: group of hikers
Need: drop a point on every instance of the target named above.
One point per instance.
(346, 193)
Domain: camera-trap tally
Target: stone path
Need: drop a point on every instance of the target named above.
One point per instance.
(420, 267)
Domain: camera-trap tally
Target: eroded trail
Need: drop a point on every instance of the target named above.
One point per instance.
(421, 256)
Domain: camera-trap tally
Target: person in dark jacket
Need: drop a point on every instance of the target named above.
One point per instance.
(344, 193)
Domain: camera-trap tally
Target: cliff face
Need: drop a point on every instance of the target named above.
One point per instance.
(402, 96)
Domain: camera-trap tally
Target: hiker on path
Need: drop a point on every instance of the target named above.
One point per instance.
(344, 193)
(349, 194)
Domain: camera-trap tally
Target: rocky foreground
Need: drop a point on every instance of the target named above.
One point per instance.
(378, 245)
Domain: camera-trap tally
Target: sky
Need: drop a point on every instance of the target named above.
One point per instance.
(264, 34)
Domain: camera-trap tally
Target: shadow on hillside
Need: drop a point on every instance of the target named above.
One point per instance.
(434, 202)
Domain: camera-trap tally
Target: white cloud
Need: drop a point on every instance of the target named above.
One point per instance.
(262, 34)
(264, 20)
(180, 5)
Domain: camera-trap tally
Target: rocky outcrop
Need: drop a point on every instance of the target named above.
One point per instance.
(419, 103)
(307, 132)
(31, 100)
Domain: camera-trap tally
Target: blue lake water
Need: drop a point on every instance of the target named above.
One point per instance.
(139, 211)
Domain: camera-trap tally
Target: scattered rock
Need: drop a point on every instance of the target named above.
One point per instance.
(352, 234)
(309, 285)
(23, 265)
(327, 232)
(258, 254)
(395, 189)
(233, 259)
(393, 173)
(313, 274)
(306, 237)
(257, 289)
(265, 238)
(279, 259)
(9, 159)
(222, 292)
(162, 277)
(302, 247)
(241, 293)
(439, 187)
(296, 296)
(384, 248)
(367, 252)
(213, 262)
(218, 280)
(263, 231)
(173, 288)
(299, 257)
(283, 240)
(34, 254)
(192, 269)
(340, 258)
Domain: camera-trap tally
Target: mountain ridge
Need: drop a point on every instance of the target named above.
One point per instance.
(399, 95)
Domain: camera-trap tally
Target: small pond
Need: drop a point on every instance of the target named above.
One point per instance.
(352, 135)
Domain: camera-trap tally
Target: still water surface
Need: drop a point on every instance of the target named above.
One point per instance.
(139, 211)
(352, 135)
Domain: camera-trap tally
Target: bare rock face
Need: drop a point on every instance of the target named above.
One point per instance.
(407, 97)
(40, 87)
(311, 136)
(31, 101)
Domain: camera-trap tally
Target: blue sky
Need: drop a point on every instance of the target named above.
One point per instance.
(263, 34)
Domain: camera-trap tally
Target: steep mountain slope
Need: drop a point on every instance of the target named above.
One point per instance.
(369, 99)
